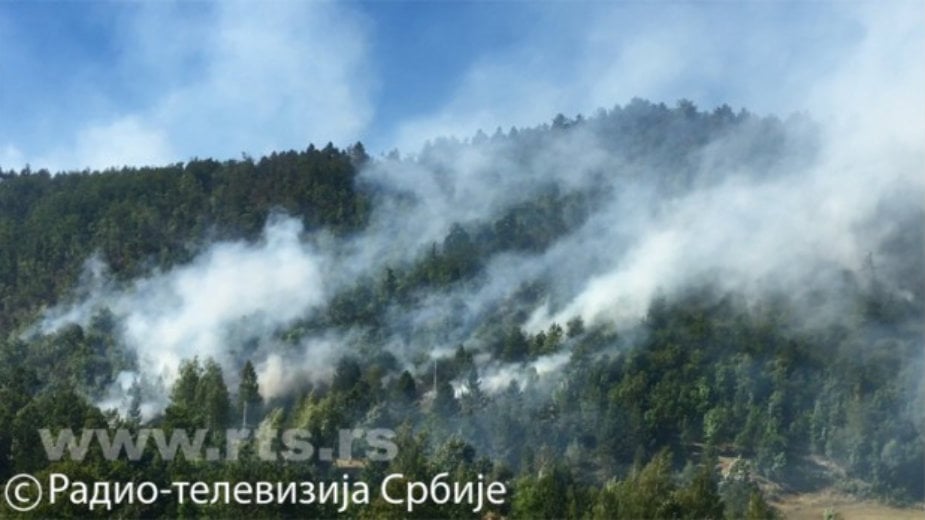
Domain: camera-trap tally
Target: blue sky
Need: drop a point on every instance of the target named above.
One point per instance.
(98, 84)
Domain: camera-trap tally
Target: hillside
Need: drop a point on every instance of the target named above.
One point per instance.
(600, 312)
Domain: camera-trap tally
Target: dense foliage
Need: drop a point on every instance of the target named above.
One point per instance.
(137, 219)
(636, 426)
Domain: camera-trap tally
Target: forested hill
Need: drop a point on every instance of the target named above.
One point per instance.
(596, 311)
(140, 219)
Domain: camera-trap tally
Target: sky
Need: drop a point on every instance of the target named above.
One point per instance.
(101, 84)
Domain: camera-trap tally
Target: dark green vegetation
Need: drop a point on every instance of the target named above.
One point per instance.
(633, 426)
(140, 219)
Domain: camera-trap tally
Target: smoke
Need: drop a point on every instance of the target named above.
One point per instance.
(741, 217)
(847, 184)
(280, 374)
(780, 233)
(230, 299)
(497, 377)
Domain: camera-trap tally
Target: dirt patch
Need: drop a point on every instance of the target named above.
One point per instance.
(814, 505)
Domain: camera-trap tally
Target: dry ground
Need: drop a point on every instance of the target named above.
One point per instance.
(806, 506)
(810, 494)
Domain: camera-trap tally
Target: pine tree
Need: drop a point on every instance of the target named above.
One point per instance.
(474, 397)
(248, 394)
(405, 387)
(445, 403)
(212, 396)
(134, 407)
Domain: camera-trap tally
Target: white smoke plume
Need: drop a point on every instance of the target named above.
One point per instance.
(210, 308)
(750, 231)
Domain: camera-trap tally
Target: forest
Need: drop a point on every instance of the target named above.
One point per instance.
(620, 315)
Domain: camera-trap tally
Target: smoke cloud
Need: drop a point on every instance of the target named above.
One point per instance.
(843, 188)
(233, 296)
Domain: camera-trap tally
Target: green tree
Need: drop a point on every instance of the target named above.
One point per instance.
(445, 403)
(700, 498)
(248, 394)
(212, 396)
(405, 388)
